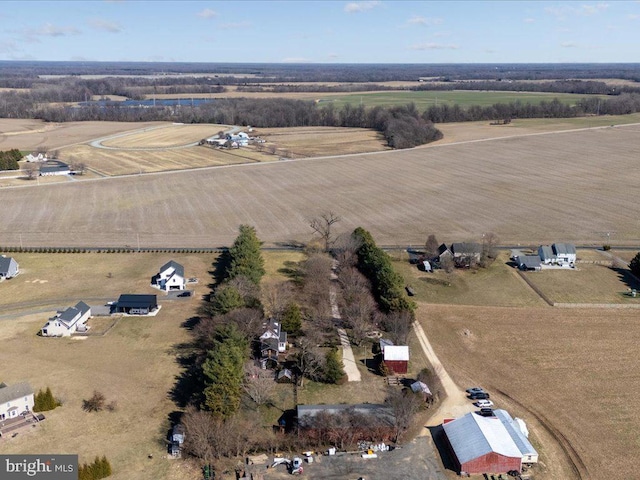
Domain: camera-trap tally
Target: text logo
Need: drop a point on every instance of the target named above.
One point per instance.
(39, 467)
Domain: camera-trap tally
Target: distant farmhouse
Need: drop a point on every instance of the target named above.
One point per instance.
(273, 342)
(9, 268)
(54, 167)
(15, 399)
(170, 277)
(556, 255)
(67, 322)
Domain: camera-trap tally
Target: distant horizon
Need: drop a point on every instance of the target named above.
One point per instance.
(321, 32)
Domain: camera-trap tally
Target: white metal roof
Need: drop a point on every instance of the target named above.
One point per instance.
(473, 436)
(396, 352)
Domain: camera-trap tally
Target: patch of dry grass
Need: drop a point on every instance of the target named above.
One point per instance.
(167, 136)
(499, 284)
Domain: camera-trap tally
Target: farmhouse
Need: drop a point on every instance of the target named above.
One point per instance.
(273, 331)
(395, 357)
(170, 277)
(561, 254)
(69, 321)
(54, 167)
(9, 268)
(466, 254)
(134, 304)
(15, 399)
(488, 444)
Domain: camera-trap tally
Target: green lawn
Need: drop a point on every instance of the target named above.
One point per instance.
(464, 98)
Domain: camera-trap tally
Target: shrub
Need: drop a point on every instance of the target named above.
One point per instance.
(95, 403)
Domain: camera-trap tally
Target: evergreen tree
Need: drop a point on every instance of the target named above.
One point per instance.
(106, 466)
(224, 371)
(634, 265)
(292, 318)
(333, 370)
(225, 299)
(246, 258)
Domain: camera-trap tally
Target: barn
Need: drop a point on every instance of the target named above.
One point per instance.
(396, 358)
(492, 445)
(133, 304)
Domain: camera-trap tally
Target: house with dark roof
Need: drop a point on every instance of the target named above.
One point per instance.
(466, 254)
(560, 254)
(135, 304)
(273, 330)
(170, 277)
(9, 268)
(15, 399)
(54, 167)
(68, 321)
(529, 262)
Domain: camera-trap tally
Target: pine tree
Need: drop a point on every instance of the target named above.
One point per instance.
(634, 265)
(245, 255)
(333, 371)
(225, 299)
(106, 467)
(292, 318)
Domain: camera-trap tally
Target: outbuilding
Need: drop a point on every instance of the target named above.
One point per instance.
(396, 358)
(8, 267)
(134, 304)
(492, 445)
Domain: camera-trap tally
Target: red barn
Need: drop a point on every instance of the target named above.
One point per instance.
(396, 358)
(487, 444)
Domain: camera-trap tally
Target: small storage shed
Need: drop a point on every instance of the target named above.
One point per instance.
(396, 358)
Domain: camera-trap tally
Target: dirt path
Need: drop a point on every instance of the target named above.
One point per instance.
(348, 359)
(456, 403)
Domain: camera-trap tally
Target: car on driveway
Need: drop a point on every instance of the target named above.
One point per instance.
(474, 390)
(484, 404)
(486, 412)
(479, 396)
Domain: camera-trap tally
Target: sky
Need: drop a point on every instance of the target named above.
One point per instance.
(321, 31)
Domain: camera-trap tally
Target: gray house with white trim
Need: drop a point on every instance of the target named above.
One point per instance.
(8, 267)
(69, 321)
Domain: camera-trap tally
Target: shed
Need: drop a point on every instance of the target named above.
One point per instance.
(284, 376)
(135, 304)
(8, 267)
(396, 358)
(422, 388)
(177, 434)
(529, 262)
(488, 444)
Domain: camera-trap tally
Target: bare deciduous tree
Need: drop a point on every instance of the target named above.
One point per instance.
(405, 404)
(397, 325)
(308, 359)
(258, 384)
(275, 297)
(323, 225)
(30, 171)
(431, 247)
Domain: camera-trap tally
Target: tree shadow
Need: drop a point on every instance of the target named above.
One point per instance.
(291, 244)
(626, 277)
(190, 323)
(293, 271)
(220, 267)
(442, 445)
(189, 385)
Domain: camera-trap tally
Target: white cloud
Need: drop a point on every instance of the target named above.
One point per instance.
(207, 13)
(586, 10)
(235, 25)
(529, 20)
(105, 25)
(51, 30)
(633, 16)
(433, 46)
(426, 21)
(569, 45)
(356, 7)
(333, 56)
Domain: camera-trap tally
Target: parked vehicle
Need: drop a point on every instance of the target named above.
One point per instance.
(486, 412)
(474, 390)
(484, 403)
(479, 396)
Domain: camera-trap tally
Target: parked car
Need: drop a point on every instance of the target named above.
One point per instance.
(486, 412)
(186, 293)
(484, 403)
(479, 396)
(474, 390)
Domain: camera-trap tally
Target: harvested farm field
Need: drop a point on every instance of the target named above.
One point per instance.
(571, 374)
(534, 189)
(31, 134)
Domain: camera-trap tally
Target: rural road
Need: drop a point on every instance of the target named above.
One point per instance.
(456, 403)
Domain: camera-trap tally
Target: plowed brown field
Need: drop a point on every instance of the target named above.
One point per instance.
(544, 188)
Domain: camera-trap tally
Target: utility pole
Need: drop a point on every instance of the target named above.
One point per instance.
(138, 236)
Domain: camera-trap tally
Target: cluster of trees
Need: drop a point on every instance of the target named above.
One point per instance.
(387, 284)
(634, 265)
(99, 468)
(43, 401)
(9, 159)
